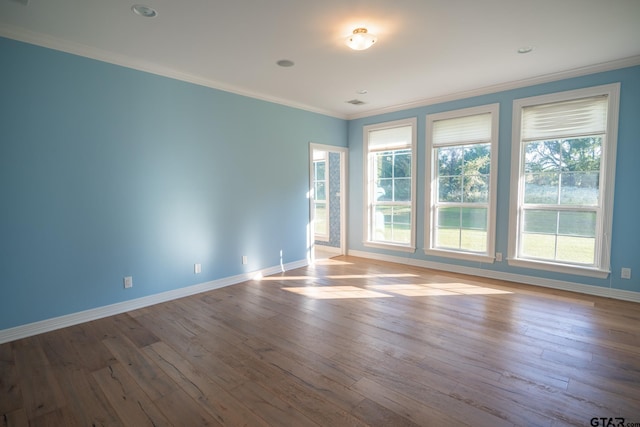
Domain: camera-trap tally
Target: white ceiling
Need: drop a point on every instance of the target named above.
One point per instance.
(427, 49)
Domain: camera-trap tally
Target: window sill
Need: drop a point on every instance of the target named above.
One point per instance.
(389, 246)
(560, 268)
(466, 256)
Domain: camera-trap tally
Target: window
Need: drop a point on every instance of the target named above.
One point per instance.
(320, 200)
(563, 168)
(462, 156)
(390, 184)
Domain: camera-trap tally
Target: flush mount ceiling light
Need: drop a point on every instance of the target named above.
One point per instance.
(361, 39)
(525, 49)
(144, 11)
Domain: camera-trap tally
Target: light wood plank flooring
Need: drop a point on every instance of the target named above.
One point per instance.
(347, 342)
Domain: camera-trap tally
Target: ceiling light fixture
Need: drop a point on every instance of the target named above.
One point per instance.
(361, 39)
(525, 49)
(144, 11)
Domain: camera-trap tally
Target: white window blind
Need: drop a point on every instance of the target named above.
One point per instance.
(391, 138)
(580, 117)
(462, 130)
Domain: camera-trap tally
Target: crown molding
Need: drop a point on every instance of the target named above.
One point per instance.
(516, 84)
(39, 39)
(42, 40)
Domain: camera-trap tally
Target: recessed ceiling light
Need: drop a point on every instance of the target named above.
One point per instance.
(144, 11)
(525, 49)
(285, 63)
(362, 91)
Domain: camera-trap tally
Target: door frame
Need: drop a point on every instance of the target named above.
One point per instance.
(344, 153)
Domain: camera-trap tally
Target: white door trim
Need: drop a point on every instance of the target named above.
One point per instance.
(344, 152)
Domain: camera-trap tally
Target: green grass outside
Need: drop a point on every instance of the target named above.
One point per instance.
(571, 249)
(399, 233)
(468, 240)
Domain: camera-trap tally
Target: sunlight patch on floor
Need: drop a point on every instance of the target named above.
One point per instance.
(279, 278)
(369, 276)
(411, 290)
(386, 291)
(334, 276)
(336, 292)
(437, 289)
(330, 261)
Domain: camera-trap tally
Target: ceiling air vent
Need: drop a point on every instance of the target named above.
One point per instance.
(355, 102)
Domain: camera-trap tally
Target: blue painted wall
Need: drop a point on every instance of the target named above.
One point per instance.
(107, 172)
(626, 221)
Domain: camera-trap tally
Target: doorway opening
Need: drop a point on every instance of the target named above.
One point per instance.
(327, 201)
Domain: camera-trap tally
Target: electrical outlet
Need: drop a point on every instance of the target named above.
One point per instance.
(625, 273)
(197, 268)
(245, 259)
(498, 256)
(128, 282)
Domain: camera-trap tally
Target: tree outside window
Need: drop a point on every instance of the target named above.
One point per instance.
(390, 188)
(562, 178)
(461, 146)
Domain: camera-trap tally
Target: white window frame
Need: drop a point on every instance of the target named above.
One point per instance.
(369, 190)
(604, 225)
(431, 200)
(322, 156)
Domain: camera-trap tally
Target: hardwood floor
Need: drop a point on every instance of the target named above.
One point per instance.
(347, 342)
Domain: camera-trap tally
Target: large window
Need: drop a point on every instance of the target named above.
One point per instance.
(320, 192)
(563, 168)
(390, 184)
(462, 157)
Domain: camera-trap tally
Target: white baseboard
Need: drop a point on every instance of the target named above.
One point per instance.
(35, 328)
(511, 277)
(30, 329)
